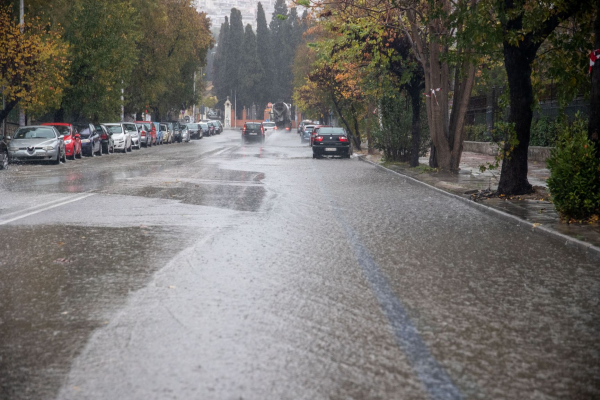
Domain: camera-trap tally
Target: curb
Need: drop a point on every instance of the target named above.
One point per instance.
(587, 248)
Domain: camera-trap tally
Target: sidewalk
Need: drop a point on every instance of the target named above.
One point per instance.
(535, 208)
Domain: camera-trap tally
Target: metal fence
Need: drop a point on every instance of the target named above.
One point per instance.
(484, 111)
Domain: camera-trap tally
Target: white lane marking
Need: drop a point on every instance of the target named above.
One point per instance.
(45, 209)
(36, 206)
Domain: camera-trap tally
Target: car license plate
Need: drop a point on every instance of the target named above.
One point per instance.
(330, 149)
(253, 133)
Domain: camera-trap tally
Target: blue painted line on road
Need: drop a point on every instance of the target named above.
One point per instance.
(435, 380)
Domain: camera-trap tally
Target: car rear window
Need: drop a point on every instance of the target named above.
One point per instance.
(251, 125)
(331, 131)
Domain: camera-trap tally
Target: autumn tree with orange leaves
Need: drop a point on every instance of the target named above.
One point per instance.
(32, 65)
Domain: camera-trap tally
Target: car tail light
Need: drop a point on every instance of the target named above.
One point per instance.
(343, 139)
(319, 139)
(104, 136)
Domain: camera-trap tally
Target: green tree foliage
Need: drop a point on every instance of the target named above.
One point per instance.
(250, 69)
(274, 51)
(264, 51)
(234, 52)
(183, 49)
(150, 48)
(220, 67)
(102, 36)
(32, 64)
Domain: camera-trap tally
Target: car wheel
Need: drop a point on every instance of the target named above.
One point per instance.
(4, 164)
(99, 153)
(130, 147)
(73, 156)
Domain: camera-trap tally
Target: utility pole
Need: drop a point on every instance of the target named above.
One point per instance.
(235, 108)
(122, 102)
(22, 121)
(194, 106)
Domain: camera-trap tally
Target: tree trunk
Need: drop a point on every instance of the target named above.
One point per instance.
(594, 122)
(7, 109)
(59, 115)
(356, 136)
(513, 178)
(415, 96)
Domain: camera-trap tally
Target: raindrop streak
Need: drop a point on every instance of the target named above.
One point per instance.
(429, 371)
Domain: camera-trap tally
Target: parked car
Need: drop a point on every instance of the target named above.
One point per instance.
(205, 128)
(253, 131)
(305, 134)
(145, 129)
(90, 140)
(331, 142)
(135, 134)
(212, 128)
(3, 154)
(268, 125)
(106, 140)
(167, 134)
(196, 131)
(218, 126)
(159, 133)
(37, 143)
(71, 138)
(121, 136)
(315, 132)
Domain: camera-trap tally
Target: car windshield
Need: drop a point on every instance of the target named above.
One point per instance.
(332, 131)
(114, 128)
(309, 128)
(63, 130)
(34, 133)
(163, 127)
(269, 124)
(84, 130)
(148, 127)
(204, 126)
(130, 127)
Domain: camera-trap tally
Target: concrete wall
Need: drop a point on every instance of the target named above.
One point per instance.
(536, 153)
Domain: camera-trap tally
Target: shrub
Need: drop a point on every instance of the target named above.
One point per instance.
(392, 133)
(574, 173)
(544, 132)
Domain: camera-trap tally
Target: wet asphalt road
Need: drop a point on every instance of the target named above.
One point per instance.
(214, 270)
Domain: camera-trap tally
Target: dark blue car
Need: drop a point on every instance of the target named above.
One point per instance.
(90, 140)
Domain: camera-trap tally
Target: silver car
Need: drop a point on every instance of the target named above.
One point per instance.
(121, 136)
(37, 143)
(135, 134)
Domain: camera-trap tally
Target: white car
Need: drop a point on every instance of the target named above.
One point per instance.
(268, 125)
(136, 140)
(121, 136)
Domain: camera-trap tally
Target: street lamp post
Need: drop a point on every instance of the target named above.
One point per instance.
(194, 106)
(22, 121)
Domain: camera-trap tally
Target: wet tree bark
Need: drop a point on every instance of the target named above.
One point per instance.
(518, 58)
(513, 179)
(9, 107)
(415, 96)
(594, 122)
